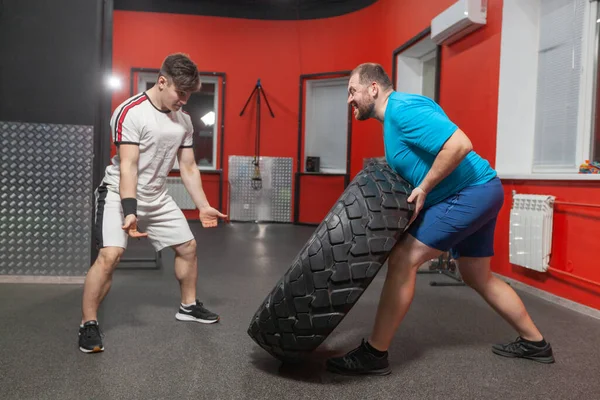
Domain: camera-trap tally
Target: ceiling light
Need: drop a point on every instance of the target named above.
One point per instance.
(113, 82)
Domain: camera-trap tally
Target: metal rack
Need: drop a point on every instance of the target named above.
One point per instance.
(444, 265)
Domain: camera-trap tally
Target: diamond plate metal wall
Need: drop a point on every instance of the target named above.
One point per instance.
(45, 199)
(272, 202)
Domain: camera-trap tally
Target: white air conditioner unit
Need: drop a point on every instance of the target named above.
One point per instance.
(458, 20)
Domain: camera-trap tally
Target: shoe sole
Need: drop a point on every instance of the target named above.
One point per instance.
(96, 349)
(375, 372)
(543, 360)
(183, 317)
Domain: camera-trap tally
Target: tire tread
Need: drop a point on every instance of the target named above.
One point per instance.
(335, 266)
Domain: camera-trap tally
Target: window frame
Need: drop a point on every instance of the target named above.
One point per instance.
(437, 53)
(433, 54)
(300, 146)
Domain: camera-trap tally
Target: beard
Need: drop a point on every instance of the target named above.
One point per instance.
(364, 111)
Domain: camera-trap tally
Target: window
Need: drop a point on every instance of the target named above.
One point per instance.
(595, 123)
(416, 68)
(146, 80)
(558, 85)
(326, 122)
(203, 109)
(547, 89)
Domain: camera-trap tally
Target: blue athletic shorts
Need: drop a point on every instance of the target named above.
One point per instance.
(464, 223)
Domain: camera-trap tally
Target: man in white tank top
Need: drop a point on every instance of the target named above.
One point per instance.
(150, 131)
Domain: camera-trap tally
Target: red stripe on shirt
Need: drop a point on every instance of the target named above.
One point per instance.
(124, 113)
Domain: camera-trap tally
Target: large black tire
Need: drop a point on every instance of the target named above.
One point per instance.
(335, 266)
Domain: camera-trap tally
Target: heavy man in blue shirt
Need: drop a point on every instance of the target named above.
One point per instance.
(457, 197)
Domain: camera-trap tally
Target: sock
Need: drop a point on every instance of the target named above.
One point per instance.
(374, 351)
(541, 343)
(188, 305)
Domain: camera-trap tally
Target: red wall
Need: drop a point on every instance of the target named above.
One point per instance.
(277, 52)
(469, 94)
(470, 67)
(575, 236)
(314, 208)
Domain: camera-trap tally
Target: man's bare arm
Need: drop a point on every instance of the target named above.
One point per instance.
(450, 156)
(129, 155)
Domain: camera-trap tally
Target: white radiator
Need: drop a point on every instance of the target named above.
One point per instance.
(177, 191)
(531, 230)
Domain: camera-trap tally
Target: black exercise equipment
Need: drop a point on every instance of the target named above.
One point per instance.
(256, 179)
(444, 265)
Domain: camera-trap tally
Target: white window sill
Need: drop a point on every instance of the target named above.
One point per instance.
(550, 177)
(207, 168)
(200, 168)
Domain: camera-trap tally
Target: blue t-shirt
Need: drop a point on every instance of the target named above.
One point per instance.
(415, 129)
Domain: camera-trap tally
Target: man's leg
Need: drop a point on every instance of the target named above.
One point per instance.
(167, 227)
(476, 272)
(186, 270)
(112, 241)
(96, 286)
(438, 227)
(396, 296)
(399, 288)
(98, 281)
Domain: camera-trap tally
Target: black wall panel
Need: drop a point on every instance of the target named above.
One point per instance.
(50, 60)
(54, 58)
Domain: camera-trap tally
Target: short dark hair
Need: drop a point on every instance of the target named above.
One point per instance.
(182, 71)
(372, 72)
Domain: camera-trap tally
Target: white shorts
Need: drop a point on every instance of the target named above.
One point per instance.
(162, 219)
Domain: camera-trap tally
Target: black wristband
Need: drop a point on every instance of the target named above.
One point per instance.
(129, 206)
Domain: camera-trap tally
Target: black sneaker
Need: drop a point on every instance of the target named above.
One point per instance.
(523, 349)
(90, 338)
(196, 313)
(360, 361)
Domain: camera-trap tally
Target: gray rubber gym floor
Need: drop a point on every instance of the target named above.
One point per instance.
(442, 350)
